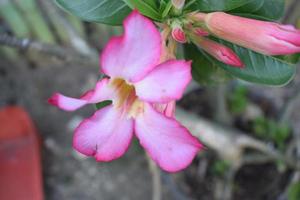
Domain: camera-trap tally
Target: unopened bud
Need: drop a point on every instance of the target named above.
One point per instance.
(178, 34)
(264, 37)
(178, 4)
(220, 52)
(201, 32)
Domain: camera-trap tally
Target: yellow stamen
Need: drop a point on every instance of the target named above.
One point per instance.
(124, 90)
(126, 97)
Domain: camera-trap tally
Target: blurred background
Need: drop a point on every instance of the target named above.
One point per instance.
(251, 132)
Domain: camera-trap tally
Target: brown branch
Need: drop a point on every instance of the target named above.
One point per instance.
(58, 52)
(76, 41)
(156, 180)
(290, 11)
(230, 144)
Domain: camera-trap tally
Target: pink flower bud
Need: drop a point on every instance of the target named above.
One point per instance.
(178, 34)
(201, 32)
(220, 52)
(178, 4)
(261, 36)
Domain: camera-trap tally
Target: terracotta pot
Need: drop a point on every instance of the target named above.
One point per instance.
(20, 163)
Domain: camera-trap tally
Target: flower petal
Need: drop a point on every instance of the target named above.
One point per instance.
(100, 93)
(167, 142)
(165, 83)
(132, 55)
(106, 135)
(168, 109)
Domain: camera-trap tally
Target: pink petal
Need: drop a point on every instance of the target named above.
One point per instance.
(106, 135)
(100, 93)
(168, 109)
(66, 103)
(132, 55)
(165, 83)
(167, 142)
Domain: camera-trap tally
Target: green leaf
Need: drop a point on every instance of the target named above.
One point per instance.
(146, 7)
(294, 191)
(262, 9)
(258, 68)
(103, 104)
(204, 71)
(167, 9)
(259, 9)
(152, 3)
(248, 8)
(220, 5)
(271, 9)
(292, 58)
(103, 11)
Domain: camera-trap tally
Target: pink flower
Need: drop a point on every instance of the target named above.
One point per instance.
(265, 37)
(136, 82)
(219, 52)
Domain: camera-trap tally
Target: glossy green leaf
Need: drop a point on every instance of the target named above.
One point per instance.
(250, 7)
(258, 68)
(204, 71)
(103, 11)
(103, 104)
(271, 9)
(259, 9)
(262, 9)
(153, 3)
(146, 7)
(220, 5)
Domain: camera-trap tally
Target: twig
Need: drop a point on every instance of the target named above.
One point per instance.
(156, 180)
(64, 54)
(222, 114)
(228, 143)
(173, 188)
(224, 187)
(288, 107)
(202, 167)
(191, 87)
(295, 177)
(76, 41)
(256, 159)
(290, 11)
